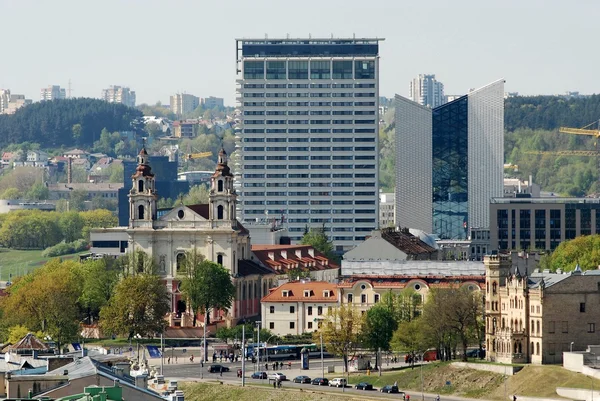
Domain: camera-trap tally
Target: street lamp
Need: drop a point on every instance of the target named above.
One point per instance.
(258, 342)
(571, 346)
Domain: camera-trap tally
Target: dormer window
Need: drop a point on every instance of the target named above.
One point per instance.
(306, 293)
(285, 293)
(326, 294)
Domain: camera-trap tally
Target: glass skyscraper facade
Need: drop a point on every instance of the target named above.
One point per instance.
(308, 146)
(458, 148)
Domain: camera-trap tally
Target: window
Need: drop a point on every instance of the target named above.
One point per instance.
(582, 307)
(591, 327)
(565, 327)
(276, 70)
(363, 298)
(271, 309)
(309, 325)
(319, 310)
(326, 294)
(254, 69)
(141, 212)
(292, 325)
(140, 186)
(551, 327)
(220, 212)
(306, 293)
(364, 69)
(376, 298)
(271, 325)
(285, 293)
(220, 259)
(179, 260)
(320, 69)
(342, 69)
(349, 298)
(309, 311)
(292, 309)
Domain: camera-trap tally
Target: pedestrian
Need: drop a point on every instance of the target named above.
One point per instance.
(514, 398)
(169, 360)
(192, 358)
(202, 362)
(266, 366)
(289, 365)
(279, 383)
(274, 383)
(407, 397)
(221, 371)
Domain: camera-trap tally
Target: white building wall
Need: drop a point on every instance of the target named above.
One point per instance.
(413, 165)
(485, 150)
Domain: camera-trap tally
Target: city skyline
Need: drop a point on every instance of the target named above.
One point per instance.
(532, 45)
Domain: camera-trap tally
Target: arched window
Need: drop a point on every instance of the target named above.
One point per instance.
(220, 186)
(532, 329)
(219, 212)
(537, 348)
(180, 260)
(350, 298)
(243, 291)
(538, 327)
(487, 287)
(141, 186)
(141, 212)
(503, 325)
(515, 348)
(531, 349)
(255, 294)
(494, 285)
(264, 289)
(520, 348)
(220, 259)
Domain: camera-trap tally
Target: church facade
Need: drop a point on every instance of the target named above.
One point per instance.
(212, 230)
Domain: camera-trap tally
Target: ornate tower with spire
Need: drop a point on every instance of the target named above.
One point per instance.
(142, 196)
(222, 194)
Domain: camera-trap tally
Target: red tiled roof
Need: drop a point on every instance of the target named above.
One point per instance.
(29, 342)
(286, 257)
(296, 292)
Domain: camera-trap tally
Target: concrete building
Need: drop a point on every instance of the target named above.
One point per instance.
(541, 223)
(449, 162)
(294, 308)
(53, 92)
(10, 103)
(118, 94)
(427, 91)
(185, 128)
(183, 103)
(211, 102)
(308, 139)
(516, 188)
(4, 99)
(387, 207)
(8, 205)
(535, 318)
(93, 190)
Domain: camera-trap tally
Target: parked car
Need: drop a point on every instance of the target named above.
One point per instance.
(301, 379)
(217, 368)
(259, 375)
(278, 376)
(389, 389)
(320, 381)
(364, 386)
(337, 382)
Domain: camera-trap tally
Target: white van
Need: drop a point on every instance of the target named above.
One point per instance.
(337, 382)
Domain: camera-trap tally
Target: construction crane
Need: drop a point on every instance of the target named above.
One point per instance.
(201, 155)
(563, 152)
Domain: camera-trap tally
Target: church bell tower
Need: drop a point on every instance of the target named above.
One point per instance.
(142, 196)
(222, 195)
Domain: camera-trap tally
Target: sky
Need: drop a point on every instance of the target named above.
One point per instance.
(159, 48)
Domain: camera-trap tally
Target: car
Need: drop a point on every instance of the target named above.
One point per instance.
(301, 379)
(217, 368)
(389, 389)
(320, 381)
(364, 386)
(337, 382)
(278, 376)
(473, 353)
(259, 375)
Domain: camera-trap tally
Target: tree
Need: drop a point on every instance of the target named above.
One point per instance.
(100, 278)
(138, 306)
(79, 175)
(21, 178)
(583, 251)
(16, 333)
(71, 226)
(341, 330)
(38, 191)
(77, 131)
(317, 238)
(297, 274)
(409, 337)
(206, 285)
(77, 199)
(116, 173)
(136, 263)
(198, 194)
(10, 193)
(378, 328)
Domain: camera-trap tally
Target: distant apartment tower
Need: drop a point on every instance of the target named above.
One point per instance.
(4, 99)
(10, 103)
(183, 103)
(427, 91)
(449, 162)
(53, 92)
(117, 94)
(308, 143)
(211, 102)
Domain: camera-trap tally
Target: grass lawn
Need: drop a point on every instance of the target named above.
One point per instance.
(19, 263)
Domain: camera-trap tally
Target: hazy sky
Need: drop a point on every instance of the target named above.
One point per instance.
(162, 47)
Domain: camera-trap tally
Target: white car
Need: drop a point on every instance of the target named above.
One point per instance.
(337, 382)
(278, 376)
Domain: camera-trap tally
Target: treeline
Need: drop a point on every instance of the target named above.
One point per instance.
(35, 229)
(67, 122)
(550, 112)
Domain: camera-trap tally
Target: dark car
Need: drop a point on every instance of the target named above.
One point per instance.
(389, 389)
(364, 386)
(259, 375)
(320, 381)
(217, 368)
(301, 379)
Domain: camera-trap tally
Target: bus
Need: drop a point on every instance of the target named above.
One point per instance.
(285, 352)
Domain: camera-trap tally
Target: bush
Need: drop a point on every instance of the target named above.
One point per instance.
(65, 248)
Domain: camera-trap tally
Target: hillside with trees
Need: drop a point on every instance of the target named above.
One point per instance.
(67, 122)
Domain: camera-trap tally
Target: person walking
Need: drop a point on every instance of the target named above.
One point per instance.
(221, 371)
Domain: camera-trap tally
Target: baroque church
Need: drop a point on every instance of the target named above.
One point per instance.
(212, 230)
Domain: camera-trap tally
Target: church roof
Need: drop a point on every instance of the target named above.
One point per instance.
(249, 268)
(201, 209)
(222, 169)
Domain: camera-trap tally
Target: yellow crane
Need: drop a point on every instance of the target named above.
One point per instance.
(575, 131)
(201, 155)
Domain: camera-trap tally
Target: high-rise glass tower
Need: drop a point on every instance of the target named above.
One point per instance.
(308, 143)
(449, 162)
(427, 91)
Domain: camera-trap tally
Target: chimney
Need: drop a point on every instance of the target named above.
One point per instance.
(69, 170)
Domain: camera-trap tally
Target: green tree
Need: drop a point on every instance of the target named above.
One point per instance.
(341, 331)
(198, 194)
(116, 173)
(317, 238)
(71, 226)
(136, 263)
(79, 175)
(206, 285)
(38, 191)
(378, 328)
(297, 274)
(583, 251)
(100, 277)
(77, 131)
(77, 199)
(409, 337)
(16, 333)
(10, 193)
(138, 306)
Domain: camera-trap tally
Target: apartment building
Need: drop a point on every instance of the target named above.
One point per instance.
(427, 91)
(308, 142)
(118, 94)
(211, 102)
(183, 103)
(53, 92)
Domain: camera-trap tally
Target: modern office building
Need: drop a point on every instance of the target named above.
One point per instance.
(449, 162)
(308, 143)
(183, 103)
(117, 94)
(541, 223)
(427, 91)
(53, 92)
(387, 207)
